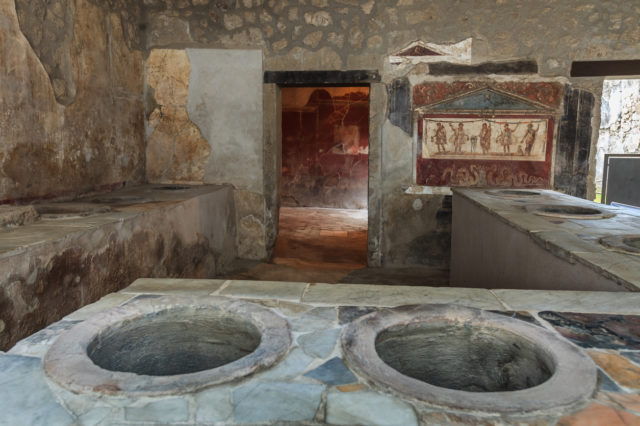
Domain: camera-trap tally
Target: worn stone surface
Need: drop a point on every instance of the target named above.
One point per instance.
(332, 372)
(320, 343)
(368, 408)
(96, 140)
(167, 410)
(272, 402)
(35, 404)
(65, 266)
(214, 405)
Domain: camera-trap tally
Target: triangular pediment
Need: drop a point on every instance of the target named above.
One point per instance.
(424, 52)
(418, 50)
(487, 99)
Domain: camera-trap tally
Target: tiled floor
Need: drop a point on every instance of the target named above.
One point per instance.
(329, 246)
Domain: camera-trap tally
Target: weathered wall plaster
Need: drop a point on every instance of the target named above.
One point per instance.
(96, 140)
(70, 263)
(205, 125)
(176, 150)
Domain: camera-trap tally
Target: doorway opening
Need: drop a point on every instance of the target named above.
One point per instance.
(619, 140)
(324, 183)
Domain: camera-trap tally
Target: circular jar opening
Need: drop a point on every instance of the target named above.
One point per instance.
(472, 359)
(568, 211)
(174, 342)
(574, 210)
(629, 244)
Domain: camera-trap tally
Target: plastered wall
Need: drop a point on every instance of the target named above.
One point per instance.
(71, 110)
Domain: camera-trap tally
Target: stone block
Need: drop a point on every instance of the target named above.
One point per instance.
(276, 402)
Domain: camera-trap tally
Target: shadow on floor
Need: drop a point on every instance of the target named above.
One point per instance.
(329, 246)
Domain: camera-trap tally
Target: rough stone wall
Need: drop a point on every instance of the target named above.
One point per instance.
(619, 122)
(71, 110)
(339, 34)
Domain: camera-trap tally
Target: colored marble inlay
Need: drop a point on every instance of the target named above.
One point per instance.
(597, 330)
(619, 368)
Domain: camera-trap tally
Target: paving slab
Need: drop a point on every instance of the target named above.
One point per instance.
(570, 301)
(173, 286)
(290, 291)
(25, 398)
(368, 408)
(107, 302)
(276, 402)
(372, 295)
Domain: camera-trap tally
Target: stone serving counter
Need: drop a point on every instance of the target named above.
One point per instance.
(542, 240)
(58, 257)
(314, 383)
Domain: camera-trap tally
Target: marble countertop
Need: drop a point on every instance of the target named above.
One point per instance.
(312, 385)
(573, 239)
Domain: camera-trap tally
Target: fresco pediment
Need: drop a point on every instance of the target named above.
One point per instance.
(486, 99)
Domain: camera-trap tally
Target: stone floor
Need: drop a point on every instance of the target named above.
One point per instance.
(329, 246)
(312, 384)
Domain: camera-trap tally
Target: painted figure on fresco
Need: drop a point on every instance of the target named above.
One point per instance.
(440, 137)
(458, 138)
(485, 138)
(529, 138)
(505, 138)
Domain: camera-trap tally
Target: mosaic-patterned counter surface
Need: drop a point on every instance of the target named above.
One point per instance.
(312, 385)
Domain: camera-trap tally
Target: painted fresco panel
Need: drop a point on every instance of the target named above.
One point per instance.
(483, 152)
(509, 138)
(485, 134)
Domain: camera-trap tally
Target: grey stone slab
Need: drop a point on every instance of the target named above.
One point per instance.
(332, 372)
(38, 343)
(319, 344)
(290, 291)
(159, 411)
(213, 405)
(295, 363)
(100, 416)
(25, 398)
(625, 267)
(273, 402)
(368, 408)
(316, 319)
(566, 241)
(173, 286)
(571, 301)
(107, 302)
(372, 295)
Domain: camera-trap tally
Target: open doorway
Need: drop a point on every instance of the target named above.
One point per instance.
(619, 140)
(324, 185)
